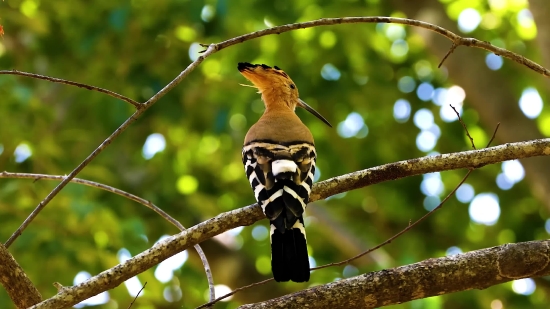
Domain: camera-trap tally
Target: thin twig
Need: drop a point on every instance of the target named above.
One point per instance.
(234, 292)
(105, 143)
(410, 226)
(451, 50)
(137, 295)
(98, 185)
(137, 105)
(494, 134)
(464, 126)
(129, 196)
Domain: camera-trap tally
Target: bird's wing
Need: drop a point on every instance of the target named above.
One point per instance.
(285, 171)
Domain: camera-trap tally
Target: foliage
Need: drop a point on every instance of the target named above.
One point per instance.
(136, 47)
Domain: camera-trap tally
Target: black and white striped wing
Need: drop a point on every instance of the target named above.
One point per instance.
(280, 175)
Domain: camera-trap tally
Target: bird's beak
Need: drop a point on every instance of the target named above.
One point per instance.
(310, 109)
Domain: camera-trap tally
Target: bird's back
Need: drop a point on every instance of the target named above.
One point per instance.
(280, 127)
(279, 158)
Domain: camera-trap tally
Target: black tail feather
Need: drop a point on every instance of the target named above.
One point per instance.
(289, 258)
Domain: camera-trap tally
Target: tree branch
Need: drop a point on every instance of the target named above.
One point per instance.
(250, 214)
(430, 164)
(20, 289)
(432, 277)
(137, 105)
(106, 143)
(129, 196)
(455, 38)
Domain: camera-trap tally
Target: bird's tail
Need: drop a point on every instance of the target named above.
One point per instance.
(289, 258)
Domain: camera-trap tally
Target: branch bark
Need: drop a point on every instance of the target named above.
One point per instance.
(20, 289)
(111, 278)
(432, 277)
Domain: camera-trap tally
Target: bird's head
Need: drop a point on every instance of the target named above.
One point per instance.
(276, 87)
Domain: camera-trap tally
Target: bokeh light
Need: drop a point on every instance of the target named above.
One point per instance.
(485, 209)
(465, 193)
(493, 61)
(22, 152)
(425, 91)
(530, 103)
(353, 125)
(330, 72)
(153, 144)
(401, 110)
(468, 20)
(406, 84)
(453, 251)
(423, 119)
(525, 286)
(426, 140)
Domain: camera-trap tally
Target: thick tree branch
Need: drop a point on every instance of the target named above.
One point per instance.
(430, 164)
(432, 277)
(12, 277)
(250, 214)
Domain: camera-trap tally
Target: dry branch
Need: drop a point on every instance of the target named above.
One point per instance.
(12, 277)
(137, 105)
(129, 196)
(250, 214)
(432, 277)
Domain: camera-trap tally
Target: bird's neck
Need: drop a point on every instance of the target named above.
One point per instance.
(276, 102)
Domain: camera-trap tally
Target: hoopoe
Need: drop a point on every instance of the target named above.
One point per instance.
(279, 161)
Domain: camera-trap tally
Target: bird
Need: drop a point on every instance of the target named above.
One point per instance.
(279, 161)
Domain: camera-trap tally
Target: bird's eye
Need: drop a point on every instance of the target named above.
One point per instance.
(292, 86)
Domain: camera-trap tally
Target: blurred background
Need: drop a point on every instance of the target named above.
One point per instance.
(378, 84)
